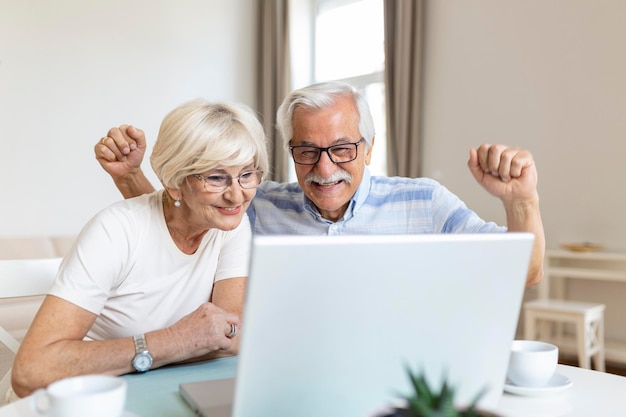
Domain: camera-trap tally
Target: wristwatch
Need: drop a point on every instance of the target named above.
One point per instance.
(142, 360)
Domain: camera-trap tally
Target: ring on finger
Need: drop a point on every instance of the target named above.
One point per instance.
(233, 331)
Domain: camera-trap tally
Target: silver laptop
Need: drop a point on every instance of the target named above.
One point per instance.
(332, 323)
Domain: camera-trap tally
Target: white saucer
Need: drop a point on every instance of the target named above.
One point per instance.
(556, 384)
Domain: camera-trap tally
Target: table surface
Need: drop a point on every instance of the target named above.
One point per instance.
(592, 393)
(155, 393)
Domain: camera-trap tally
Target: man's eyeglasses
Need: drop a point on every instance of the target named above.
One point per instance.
(339, 154)
(216, 183)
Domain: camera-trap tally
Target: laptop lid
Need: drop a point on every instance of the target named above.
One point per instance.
(331, 323)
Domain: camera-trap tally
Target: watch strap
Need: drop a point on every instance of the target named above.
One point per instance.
(142, 361)
(140, 343)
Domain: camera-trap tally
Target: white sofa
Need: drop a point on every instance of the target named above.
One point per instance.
(16, 314)
(35, 247)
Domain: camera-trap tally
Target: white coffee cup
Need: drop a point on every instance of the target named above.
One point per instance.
(80, 396)
(532, 363)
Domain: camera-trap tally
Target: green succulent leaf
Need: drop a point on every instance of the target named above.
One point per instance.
(424, 401)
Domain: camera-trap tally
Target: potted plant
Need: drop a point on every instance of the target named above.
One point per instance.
(424, 401)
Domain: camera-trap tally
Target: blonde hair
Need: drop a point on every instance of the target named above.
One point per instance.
(198, 136)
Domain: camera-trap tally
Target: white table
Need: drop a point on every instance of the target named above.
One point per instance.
(155, 394)
(592, 394)
(562, 266)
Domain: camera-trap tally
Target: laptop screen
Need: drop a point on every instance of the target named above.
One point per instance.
(332, 323)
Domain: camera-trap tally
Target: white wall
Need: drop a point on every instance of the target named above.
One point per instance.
(546, 75)
(71, 69)
(549, 76)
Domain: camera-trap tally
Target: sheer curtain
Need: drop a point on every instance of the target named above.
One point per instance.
(403, 78)
(273, 81)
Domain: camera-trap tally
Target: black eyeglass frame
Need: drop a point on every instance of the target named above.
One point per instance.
(204, 179)
(327, 150)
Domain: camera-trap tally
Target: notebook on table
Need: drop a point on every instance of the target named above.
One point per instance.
(331, 323)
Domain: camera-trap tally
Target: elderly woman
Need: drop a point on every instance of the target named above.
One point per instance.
(160, 278)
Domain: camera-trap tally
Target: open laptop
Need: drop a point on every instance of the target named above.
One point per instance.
(331, 323)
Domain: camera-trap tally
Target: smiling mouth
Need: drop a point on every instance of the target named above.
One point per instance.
(328, 184)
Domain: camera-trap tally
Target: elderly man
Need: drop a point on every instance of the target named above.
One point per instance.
(330, 133)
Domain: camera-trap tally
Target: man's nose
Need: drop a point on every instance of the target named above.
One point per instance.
(325, 166)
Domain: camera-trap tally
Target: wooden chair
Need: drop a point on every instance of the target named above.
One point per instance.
(21, 278)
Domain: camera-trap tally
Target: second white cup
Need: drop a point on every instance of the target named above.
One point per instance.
(80, 396)
(532, 363)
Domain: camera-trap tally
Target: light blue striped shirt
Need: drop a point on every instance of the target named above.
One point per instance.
(381, 205)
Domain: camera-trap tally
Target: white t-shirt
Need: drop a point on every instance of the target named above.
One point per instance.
(126, 268)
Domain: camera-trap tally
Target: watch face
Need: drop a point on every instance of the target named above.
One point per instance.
(142, 362)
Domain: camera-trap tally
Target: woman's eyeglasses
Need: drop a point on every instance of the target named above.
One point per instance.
(216, 183)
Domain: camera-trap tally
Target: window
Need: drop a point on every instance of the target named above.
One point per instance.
(346, 43)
